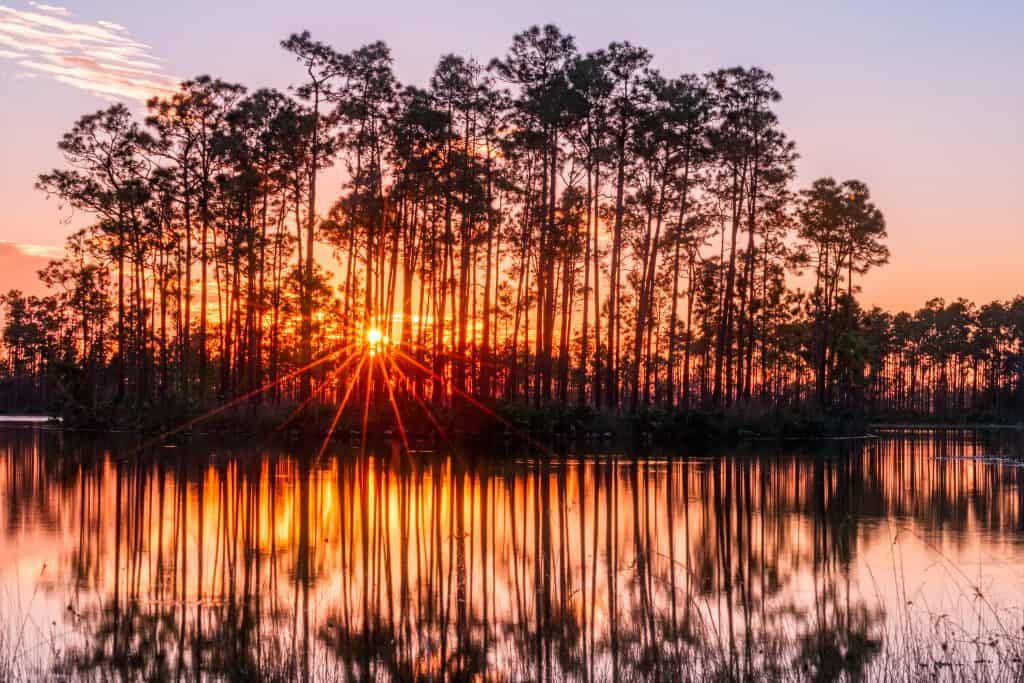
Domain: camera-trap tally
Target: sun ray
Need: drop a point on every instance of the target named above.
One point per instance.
(426, 409)
(477, 404)
(341, 406)
(335, 372)
(366, 404)
(394, 405)
(238, 399)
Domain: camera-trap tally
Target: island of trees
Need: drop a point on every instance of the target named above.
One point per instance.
(555, 230)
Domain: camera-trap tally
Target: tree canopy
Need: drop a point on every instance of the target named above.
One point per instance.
(556, 227)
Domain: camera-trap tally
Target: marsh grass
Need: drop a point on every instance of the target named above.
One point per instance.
(905, 642)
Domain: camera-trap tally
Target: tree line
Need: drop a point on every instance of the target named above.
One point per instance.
(553, 227)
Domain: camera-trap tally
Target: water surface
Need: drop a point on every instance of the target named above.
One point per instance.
(245, 561)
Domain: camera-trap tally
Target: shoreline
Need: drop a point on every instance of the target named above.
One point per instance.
(507, 425)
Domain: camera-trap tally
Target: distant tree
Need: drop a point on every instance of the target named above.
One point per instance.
(843, 231)
(108, 179)
(323, 66)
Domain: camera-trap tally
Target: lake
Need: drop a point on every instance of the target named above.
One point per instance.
(894, 557)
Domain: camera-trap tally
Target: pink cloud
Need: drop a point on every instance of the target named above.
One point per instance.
(100, 57)
(52, 9)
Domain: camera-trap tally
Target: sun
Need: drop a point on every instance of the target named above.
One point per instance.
(376, 340)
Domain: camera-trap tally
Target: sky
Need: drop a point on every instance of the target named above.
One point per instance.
(923, 101)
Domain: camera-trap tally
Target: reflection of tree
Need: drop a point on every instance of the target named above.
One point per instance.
(277, 565)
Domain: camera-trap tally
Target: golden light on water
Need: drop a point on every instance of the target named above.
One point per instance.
(329, 554)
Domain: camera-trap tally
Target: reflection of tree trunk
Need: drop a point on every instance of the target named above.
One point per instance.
(364, 485)
(565, 558)
(689, 545)
(580, 501)
(541, 566)
(744, 549)
(722, 507)
(200, 554)
(180, 535)
(403, 626)
(598, 481)
(517, 578)
(461, 618)
(117, 562)
(670, 520)
(612, 565)
(302, 574)
(484, 547)
(763, 497)
(640, 560)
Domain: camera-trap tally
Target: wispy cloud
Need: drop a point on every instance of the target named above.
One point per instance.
(52, 9)
(39, 250)
(100, 57)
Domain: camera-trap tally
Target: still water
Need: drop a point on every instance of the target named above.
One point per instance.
(897, 556)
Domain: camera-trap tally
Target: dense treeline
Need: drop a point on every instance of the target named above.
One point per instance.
(553, 227)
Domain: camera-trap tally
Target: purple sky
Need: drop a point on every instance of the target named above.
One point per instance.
(923, 101)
